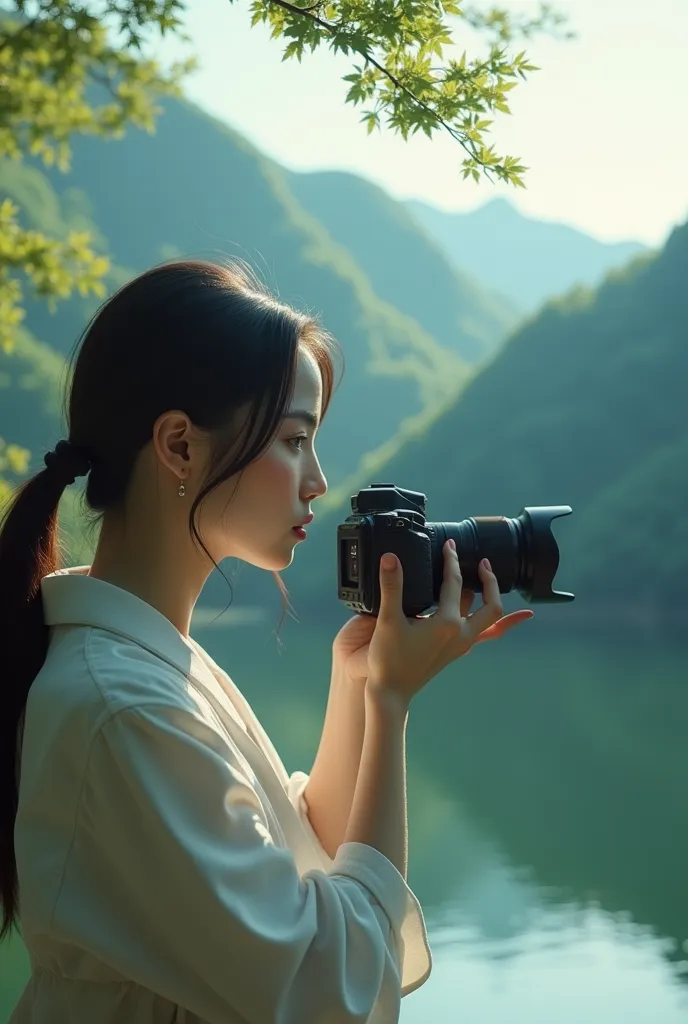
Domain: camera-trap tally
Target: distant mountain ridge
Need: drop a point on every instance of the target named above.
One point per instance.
(197, 188)
(526, 259)
(405, 265)
(584, 405)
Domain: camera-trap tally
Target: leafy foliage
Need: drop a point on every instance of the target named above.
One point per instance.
(53, 52)
(55, 268)
(30, 380)
(401, 42)
(50, 53)
(174, 187)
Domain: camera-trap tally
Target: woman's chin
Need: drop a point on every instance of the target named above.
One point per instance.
(274, 560)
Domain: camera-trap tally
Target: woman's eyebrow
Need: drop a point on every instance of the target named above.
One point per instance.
(309, 418)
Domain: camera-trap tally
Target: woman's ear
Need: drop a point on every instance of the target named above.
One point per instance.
(179, 446)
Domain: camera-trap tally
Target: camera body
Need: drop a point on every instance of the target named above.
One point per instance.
(522, 551)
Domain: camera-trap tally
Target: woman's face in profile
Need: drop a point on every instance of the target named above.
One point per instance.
(252, 516)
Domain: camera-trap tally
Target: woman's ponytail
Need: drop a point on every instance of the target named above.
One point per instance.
(29, 550)
(187, 334)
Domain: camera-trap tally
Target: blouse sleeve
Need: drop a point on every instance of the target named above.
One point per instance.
(416, 958)
(174, 880)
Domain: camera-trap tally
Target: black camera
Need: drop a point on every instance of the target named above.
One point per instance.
(522, 551)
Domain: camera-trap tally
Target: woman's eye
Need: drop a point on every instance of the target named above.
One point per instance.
(297, 442)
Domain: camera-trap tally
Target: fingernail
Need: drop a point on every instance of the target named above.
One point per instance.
(389, 561)
(452, 545)
(487, 565)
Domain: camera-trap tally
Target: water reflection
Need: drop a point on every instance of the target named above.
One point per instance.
(549, 842)
(509, 950)
(548, 825)
(568, 966)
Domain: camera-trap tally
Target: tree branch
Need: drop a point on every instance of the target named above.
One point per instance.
(328, 27)
(105, 81)
(293, 9)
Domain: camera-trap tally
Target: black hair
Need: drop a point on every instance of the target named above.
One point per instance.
(197, 336)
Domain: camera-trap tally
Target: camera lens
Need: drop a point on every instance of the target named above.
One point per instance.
(522, 551)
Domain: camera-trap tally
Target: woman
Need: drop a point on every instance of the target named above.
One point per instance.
(162, 863)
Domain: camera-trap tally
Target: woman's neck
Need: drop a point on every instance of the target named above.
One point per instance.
(153, 566)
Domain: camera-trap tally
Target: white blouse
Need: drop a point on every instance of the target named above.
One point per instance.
(167, 868)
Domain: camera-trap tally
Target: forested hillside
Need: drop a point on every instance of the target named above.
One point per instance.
(196, 188)
(585, 405)
(405, 265)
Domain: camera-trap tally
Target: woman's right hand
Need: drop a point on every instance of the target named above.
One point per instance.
(405, 654)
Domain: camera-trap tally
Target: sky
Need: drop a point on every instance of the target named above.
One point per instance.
(603, 126)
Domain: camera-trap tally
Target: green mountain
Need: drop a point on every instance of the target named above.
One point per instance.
(526, 259)
(32, 377)
(405, 265)
(584, 405)
(197, 188)
(42, 209)
(30, 380)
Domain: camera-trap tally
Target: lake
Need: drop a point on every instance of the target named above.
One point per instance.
(547, 806)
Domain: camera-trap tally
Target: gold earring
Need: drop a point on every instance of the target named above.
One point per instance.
(182, 490)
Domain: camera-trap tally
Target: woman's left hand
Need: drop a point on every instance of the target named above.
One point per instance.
(350, 647)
